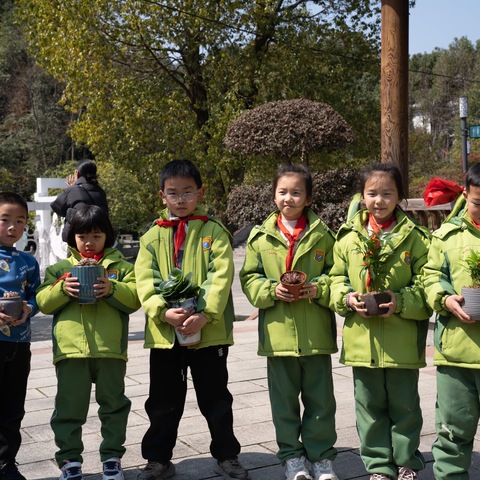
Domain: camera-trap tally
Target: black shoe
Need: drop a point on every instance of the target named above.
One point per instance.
(9, 471)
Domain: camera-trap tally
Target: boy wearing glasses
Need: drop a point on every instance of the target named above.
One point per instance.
(186, 238)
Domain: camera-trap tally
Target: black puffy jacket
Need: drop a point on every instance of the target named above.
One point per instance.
(80, 193)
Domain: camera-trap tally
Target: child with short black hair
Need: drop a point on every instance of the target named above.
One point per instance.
(90, 343)
(186, 237)
(19, 273)
(457, 335)
(386, 350)
(297, 335)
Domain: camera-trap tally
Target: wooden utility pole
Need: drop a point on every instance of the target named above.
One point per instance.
(394, 85)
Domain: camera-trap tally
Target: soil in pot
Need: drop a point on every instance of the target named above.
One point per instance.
(373, 300)
(471, 303)
(294, 281)
(12, 306)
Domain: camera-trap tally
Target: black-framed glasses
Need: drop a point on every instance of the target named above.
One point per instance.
(186, 197)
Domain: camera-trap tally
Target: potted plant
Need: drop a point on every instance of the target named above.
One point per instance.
(179, 291)
(12, 304)
(375, 250)
(87, 271)
(293, 281)
(471, 293)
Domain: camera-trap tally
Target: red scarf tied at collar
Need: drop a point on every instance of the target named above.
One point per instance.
(181, 223)
(292, 238)
(380, 227)
(95, 256)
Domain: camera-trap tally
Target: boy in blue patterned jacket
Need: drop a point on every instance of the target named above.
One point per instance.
(19, 273)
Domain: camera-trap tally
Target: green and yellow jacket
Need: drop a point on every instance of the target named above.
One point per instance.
(208, 255)
(303, 327)
(98, 330)
(456, 343)
(399, 340)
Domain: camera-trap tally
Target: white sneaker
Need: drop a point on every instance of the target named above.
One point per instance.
(71, 471)
(112, 469)
(323, 470)
(295, 469)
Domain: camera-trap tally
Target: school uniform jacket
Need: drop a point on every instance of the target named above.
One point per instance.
(396, 341)
(299, 328)
(208, 255)
(97, 330)
(456, 343)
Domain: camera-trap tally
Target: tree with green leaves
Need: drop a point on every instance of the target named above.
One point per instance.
(152, 80)
(32, 125)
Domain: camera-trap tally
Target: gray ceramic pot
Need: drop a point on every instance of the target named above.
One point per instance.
(12, 306)
(471, 304)
(87, 277)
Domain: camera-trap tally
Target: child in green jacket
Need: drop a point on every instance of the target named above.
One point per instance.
(187, 238)
(457, 335)
(298, 335)
(90, 343)
(385, 351)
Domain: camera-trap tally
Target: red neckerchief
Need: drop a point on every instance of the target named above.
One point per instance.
(380, 227)
(292, 238)
(95, 256)
(474, 222)
(181, 234)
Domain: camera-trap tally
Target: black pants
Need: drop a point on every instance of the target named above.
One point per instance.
(166, 401)
(14, 371)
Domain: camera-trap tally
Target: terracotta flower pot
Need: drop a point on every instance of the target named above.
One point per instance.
(293, 281)
(471, 303)
(373, 300)
(87, 277)
(12, 306)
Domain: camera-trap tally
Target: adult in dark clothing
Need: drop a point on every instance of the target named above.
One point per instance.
(83, 190)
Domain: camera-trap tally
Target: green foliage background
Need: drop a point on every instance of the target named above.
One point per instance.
(134, 83)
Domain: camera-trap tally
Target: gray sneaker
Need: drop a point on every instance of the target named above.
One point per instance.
(295, 469)
(71, 471)
(323, 470)
(157, 471)
(405, 473)
(231, 469)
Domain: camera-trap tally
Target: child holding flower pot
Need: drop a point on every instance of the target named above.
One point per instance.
(90, 343)
(451, 267)
(297, 334)
(380, 247)
(19, 273)
(186, 238)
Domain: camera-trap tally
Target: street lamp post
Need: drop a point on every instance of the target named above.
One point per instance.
(463, 107)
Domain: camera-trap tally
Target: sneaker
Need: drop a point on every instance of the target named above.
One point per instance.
(295, 469)
(231, 469)
(405, 473)
(9, 471)
(71, 471)
(112, 469)
(323, 470)
(380, 476)
(157, 471)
